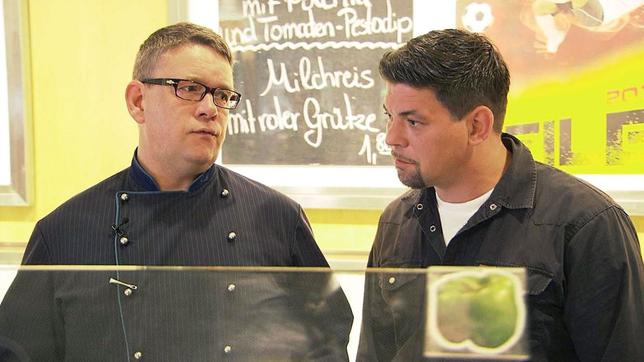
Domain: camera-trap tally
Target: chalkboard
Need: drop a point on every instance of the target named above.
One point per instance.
(308, 73)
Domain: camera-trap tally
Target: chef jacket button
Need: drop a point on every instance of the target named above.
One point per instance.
(138, 355)
(127, 292)
(432, 228)
(225, 193)
(124, 240)
(232, 235)
(392, 280)
(124, 197)
(231, 287)
(493, 207)
(419, 207)
(228, 349)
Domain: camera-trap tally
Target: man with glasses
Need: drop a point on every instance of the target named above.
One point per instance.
(174, 206)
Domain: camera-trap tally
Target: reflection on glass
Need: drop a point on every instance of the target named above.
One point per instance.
(133, 313)
(175, 314)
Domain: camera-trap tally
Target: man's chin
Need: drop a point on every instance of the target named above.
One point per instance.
(412, 181)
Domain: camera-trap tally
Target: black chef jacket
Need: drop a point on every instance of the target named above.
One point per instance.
(223, 220)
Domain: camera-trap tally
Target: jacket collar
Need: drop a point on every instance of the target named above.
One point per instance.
(516, 188)
(144, 180)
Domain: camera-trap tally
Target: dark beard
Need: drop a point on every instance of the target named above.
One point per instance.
(414, 181)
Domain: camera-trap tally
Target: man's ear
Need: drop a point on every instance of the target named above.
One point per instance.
(134, 100)
(480, 124)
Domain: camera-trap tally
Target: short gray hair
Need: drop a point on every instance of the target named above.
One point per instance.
(174, 36)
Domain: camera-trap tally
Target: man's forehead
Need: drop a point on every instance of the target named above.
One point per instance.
(401, 111)
(195, 62)
(190, 49)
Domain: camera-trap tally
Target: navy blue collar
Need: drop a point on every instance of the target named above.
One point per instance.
(143, 179)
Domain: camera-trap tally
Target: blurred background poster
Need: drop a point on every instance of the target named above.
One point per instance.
(577, 95)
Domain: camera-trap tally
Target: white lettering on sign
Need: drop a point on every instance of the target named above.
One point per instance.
(314, 94)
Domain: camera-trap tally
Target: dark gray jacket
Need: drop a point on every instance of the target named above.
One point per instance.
(580, 249)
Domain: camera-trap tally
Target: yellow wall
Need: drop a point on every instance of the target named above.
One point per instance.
(82, 54)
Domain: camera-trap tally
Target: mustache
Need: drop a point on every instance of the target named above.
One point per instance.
(400, 157)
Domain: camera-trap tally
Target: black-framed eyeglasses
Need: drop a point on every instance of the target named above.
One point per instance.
(195, 91)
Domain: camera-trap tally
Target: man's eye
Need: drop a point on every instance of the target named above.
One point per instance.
(191, 88)
(412, 122)
(223, 96)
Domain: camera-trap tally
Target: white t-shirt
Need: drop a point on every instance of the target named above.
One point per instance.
(455, 216)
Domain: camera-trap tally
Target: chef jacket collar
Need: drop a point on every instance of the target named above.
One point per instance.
(143, 179)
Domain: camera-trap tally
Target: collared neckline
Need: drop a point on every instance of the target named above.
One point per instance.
(517, 187)
(515, 190)
(143, 179)
(414, 197)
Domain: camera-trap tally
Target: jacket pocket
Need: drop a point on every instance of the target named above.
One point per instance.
(403, 294)
(544, 304)
(392, 281)
(538, 282)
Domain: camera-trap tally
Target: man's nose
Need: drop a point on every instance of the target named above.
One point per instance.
(394, 135)
(207, 107)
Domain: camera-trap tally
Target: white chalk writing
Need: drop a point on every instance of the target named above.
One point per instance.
(265, 29)
(315, 75)
(315, 94)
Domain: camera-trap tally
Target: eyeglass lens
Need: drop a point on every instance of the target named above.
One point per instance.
(195, 92)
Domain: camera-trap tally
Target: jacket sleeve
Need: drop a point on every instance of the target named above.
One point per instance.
(604, 286)
(29, 320)
(323, 304)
